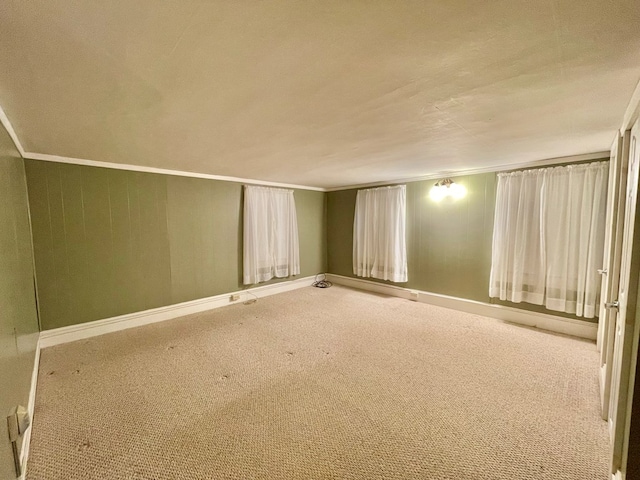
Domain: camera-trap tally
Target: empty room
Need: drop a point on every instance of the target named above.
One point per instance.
(290, 239)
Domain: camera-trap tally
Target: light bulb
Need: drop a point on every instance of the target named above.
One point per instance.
(457, 191)
(438, 192)
(447, 188)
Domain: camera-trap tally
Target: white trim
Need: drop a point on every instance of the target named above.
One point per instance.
(31, 405)
(138, 168)
(72, 333)
(553, 323)
(12, 133)
(610, 430)
(618, 476)
(632, 113)
(474, 171)
(164, 171)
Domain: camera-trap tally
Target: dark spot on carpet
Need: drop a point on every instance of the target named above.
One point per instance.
(84, 445)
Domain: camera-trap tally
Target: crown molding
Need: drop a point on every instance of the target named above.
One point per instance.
(12, 133)
(164, 171)
(457, 173)
(474, 171)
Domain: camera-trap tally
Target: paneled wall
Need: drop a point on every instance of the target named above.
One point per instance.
(100, 241)
(448, 243)
(109, 242)
(203, 221)
(18, 315)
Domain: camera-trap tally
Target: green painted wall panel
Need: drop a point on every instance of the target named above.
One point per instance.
(76, 271)
(204, 217)
(101, 243)
(18, 313)
(109, 242)
(98, 239)
(227, 228)
(312, 228)
(340, 212)
(448, 240)
(123, 261)
(152, 271)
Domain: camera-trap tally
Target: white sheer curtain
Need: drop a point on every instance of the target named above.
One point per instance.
(518, 267)
(575, 210)
(270, 234)
(548, 237)
(379, 245)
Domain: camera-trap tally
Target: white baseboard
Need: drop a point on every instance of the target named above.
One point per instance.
(72, 333)
(618, 476)
(610, 430)
(604, 401)
(26, 439)
(553, 323)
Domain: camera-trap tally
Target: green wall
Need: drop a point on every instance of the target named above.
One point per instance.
(448, 243)
(18, 315)
(109, 242)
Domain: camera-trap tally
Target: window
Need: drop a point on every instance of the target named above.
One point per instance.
(270, 234)
(548, 237)
(379, 245)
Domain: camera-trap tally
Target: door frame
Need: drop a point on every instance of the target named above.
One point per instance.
(619, 161)
(627, 328)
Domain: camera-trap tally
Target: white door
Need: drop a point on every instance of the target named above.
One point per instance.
(623, 370)
(612, 257)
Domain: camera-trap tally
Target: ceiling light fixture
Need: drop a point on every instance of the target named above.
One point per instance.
(447, 188)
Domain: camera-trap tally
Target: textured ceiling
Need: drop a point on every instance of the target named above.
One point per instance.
(320, 93)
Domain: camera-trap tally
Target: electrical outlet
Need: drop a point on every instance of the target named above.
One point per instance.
(235, 297)
(18, 421)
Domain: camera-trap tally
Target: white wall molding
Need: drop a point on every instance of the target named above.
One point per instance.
(618, 476)
(553, 323)
(435, 176)
(31, 405)
(474, 171)
(12, 133)
(80, 331)
(164, 171)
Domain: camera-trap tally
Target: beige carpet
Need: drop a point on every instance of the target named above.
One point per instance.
(320, 384)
